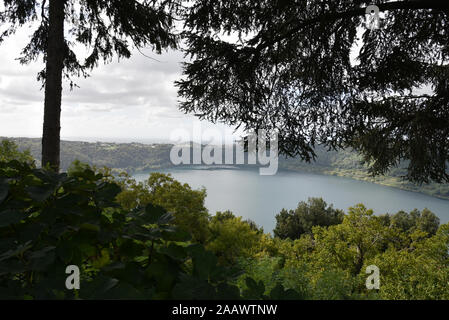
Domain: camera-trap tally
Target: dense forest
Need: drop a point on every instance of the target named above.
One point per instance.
(157, 240)
(134, 157)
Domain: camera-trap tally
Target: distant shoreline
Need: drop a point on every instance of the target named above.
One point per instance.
(139, 157)
(312, 171)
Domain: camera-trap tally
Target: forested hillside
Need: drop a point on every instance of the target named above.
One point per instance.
(349, 164)
(125, 156)
(133, 157)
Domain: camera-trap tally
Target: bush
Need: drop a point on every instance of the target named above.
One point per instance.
(315, 212)
(49, 221)
(231, 238)
(187, 205)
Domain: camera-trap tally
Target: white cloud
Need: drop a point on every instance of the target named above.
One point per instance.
(133, 99)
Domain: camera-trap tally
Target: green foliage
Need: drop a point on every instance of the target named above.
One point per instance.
(255, 290)
(187, 205)
(10, 151)
(271, 272)
(413, 263)
(315, 212)
(424, 220)
(231, 238)
(421, 273)
(49, 221)
(118, 156)
(334, 285)
(292, 68)
(346, 246)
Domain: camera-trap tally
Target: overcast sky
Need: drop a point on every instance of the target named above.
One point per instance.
(130, 100)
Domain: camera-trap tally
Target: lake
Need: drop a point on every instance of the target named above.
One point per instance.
(260, 198)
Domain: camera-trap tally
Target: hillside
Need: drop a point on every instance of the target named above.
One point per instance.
(133, 157)
(125, 156)
(348, 164)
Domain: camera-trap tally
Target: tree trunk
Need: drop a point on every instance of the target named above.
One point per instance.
(53, 85)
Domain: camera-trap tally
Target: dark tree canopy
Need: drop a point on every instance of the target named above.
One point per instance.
(424, 220)
(104, 27)
(315, 212)
(289, 69)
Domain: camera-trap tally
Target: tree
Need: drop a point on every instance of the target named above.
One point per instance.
(10, 151)
(424, 220)
(104, 27)
(186, 204)
(121, 254)
(348, 245)
(428, 222)
(293, 67)
(231, 238)
(315, 212)
(422, 273)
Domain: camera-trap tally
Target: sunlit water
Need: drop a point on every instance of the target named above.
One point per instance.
(260, 198)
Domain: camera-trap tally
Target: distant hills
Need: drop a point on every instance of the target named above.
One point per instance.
(124, 156)
(135, 157)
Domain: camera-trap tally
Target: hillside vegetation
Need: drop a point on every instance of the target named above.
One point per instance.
(157, 240)
(124, 156)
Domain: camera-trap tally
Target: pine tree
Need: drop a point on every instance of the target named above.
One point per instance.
(105, 27)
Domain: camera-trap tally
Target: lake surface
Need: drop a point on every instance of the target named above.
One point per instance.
(260, 198)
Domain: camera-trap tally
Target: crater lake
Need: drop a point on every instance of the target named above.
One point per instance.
(260, 198)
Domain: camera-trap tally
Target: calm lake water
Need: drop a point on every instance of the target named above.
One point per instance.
(260, 198)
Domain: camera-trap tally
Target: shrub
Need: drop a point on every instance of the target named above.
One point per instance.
(294, 223)
(49, 221)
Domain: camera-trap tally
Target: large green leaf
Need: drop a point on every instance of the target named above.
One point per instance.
(255, 289)
(130, 272)
(279, 293)
(164, 273)
(106, 193)
(124, 291)
(30, 231)
(19, 250)
(226, 291)
(175, 252)
(10, 217)
(97, 288)
(154, 214)
(40, 193)
(43, 260)
(192, 288)
(204, 261)
(175, 234)
(90, 227)
(49, 176)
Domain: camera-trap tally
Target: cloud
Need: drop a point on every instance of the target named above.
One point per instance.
(134, 98)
